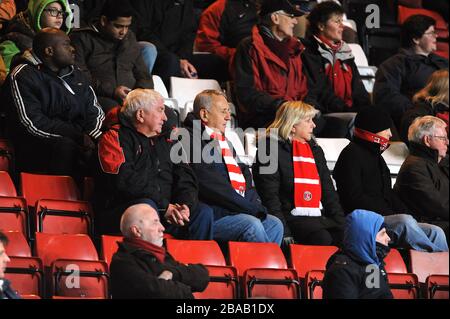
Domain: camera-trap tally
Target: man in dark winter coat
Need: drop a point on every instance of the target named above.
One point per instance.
(225, 183)
(53, 114)
(142, 268)
(421, 182)
(108, 53)
(6, 291)
(363, 182)
(136, 166)
(357, 270)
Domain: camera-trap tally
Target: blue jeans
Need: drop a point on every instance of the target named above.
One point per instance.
(244, 227)
(418, 236)
(149, 54)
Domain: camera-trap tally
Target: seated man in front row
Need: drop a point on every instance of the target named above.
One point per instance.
(225, 185)
(136, 167)
(142, 268)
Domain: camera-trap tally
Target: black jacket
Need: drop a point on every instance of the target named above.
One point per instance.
(134, 275)
(277, 189)
(168, 24)
(400, 77)
(345, 278)
(110, 63)
(134, 167)
(47, 105)
(423, 185)
(214, 184)
(363, 180)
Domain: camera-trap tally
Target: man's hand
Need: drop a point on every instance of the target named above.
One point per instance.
(188, 70)
(166, 275)
(177, 214)
(121, 92)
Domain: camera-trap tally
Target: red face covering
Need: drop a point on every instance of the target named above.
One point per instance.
(373, 138)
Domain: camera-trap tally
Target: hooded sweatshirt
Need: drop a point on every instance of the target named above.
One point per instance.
(23, 28)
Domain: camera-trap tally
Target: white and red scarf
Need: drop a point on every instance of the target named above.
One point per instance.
(307, 188)
(373, 138)
(237, 179)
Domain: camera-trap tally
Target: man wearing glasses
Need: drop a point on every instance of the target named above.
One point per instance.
(22, 29)
(423, 180)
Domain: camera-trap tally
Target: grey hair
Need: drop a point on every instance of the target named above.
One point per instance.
(424, 126)
(140, 99)
(204, 100)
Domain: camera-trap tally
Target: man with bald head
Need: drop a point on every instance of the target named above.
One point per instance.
(52, 112)
(143, 269)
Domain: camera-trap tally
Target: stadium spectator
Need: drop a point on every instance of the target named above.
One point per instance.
(225, 184)
(401, 76)
(299, 191)
(223, 25)
(142, 268)
(363, 181)
(422, 183)
(431, 100)
(53, 115)
(6, 291)
(351, 273)
(108, 53)
(7, 11)
(170, 26)
(24, 26)
(136, 167)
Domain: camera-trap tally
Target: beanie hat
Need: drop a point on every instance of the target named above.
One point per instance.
(373, 119)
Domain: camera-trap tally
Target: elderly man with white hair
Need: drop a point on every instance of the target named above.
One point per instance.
(142, 268)
(135, 167)
(423, 180)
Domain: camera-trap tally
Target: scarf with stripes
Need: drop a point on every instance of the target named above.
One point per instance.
(307, 188)
(237, 179)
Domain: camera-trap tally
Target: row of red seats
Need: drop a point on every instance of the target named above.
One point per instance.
(254, 269)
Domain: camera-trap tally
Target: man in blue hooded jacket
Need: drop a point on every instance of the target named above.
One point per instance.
(357, 270)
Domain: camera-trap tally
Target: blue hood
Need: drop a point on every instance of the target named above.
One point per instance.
(361, 230)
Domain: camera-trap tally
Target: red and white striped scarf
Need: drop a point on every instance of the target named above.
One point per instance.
(307, 188)
(237, 179)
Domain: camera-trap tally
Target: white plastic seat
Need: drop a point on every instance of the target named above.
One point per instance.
(332, 147)
(366, 71)
(161, 89)
(395, 155)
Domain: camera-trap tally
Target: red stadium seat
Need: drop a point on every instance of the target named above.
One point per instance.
(424, 264)
(63, 217)
(271, 283)
(223, 283)
(404, 286)
(7, 187)
(109, 247)
(313, 282)
(441, 26)
(394, 263)
(26, 276)
(18, 245)
(14, 214)
(437, 287)
(206, 252)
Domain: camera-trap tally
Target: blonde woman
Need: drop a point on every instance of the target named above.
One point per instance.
(431, 100)
(300, 191)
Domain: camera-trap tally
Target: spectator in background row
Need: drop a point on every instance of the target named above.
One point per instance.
(423, 180)
(52, 111)
(7, 11)
(6, 291)
(431, 100)
(403, 75)
(351, 273)
(108, 53)
(22, 29)
(142, 268)
(299, 191)
(363, 181)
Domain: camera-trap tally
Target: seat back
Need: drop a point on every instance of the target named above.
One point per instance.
(26, 276)
(63, 217)
(313, 282)
(35, 187)
(109, 247)
(223, 284)
(437, 287)
(17, 245)
(7, 187)
(395, 155)
(80, 279)
(13, 214)
(404, 286)
(244, 256)
(206, 252)
(360, 56)
(394, 263)
(271, 283)
(441, 25)
(305, 258)
(159, 86)
(332, 147)
(424, 264)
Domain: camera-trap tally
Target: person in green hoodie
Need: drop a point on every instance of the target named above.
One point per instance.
(22, 29)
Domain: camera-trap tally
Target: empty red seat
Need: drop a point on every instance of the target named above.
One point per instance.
(18, 245)
(437, 287)
(424, 264)
(313, 283)
(26, 276)
(109, 247)
(206, 252)
(404, 286)
(394, 262)
(13, 214)
(7, 187)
